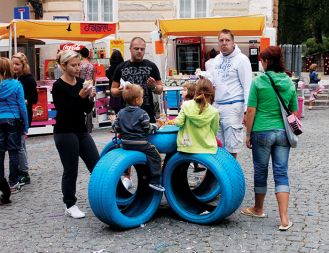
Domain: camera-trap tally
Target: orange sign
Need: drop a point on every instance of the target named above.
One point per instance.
(99, 70)
(159, 48)
(92, 28)
(117, 45)
(264, 43)
(49, 69)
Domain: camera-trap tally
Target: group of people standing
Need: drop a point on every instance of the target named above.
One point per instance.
(237, 100)
(17, 95)
(221, 104)
(241, 100)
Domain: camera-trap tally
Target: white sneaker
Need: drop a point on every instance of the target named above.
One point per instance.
(74, 212)
(127, 183)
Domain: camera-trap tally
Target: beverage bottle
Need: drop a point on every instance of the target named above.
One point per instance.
(162, 119)
(95, 53)
(111, 116)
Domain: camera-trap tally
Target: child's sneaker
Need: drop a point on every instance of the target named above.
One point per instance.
(15, 188)
(157, 187)
(23, 180)
(127, 183)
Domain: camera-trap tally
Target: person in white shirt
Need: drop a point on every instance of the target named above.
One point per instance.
(231, 74)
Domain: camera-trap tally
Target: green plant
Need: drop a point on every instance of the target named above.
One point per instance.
(316, 48)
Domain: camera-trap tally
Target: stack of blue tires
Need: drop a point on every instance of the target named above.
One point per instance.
(218, 195)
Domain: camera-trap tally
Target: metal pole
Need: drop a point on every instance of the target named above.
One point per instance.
(15, 38)
(10, 42)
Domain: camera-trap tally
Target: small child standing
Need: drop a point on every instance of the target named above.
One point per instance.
(133, 123)
(198, 121)
(314, 85)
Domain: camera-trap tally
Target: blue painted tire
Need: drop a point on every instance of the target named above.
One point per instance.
(113, 144)
(103, 185)
(165, 139)
(208, 189)
(124, 197)
(228, 174)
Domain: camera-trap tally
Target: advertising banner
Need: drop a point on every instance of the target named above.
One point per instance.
(40, 109)
(71, 46)
(93, 28)
(117, 45)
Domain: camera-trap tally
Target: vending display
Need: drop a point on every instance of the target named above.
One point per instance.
(254, 55)
(190, 54)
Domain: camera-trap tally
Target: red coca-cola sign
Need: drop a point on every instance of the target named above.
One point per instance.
(71, 46)
(188, 40)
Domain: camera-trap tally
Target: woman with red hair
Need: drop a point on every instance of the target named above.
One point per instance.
(266, 135)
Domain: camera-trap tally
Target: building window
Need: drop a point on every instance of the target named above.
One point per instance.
(101, 10)
(192, 8)
(61, 18)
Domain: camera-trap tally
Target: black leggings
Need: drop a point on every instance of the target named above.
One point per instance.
(70, 146)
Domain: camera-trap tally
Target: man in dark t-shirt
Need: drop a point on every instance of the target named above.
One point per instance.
(139, 71)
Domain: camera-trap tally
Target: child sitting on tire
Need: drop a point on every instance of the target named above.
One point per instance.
(198, 121)
(133, 123)
(188, 93)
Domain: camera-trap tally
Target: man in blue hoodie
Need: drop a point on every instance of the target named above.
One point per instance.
(231, 74)
(12, 113)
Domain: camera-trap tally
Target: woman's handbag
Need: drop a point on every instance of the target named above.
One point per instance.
(292, 124)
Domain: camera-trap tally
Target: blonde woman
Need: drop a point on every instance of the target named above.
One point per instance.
(73, 100)
(22, 72)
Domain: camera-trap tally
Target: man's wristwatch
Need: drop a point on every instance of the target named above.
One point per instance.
(154, 88)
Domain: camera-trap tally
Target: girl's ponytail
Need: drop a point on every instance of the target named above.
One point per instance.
(201, 100)
(204, 94)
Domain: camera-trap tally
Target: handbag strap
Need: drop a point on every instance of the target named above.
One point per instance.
(278, 94)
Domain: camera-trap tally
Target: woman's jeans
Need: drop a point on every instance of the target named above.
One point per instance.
(23, 167)
(10, 140)
(272, 143)
(70, 147)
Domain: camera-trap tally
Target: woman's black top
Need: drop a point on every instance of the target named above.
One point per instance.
(71, 108)
(30, 93)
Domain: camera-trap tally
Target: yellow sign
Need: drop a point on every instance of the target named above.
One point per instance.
(117, 45)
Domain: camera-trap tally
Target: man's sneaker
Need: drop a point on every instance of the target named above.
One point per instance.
(127, 183)
(23, 180)
(15, 188)
(74, 212)
(157, 187)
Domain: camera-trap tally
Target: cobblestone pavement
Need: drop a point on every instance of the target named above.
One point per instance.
(35, 221)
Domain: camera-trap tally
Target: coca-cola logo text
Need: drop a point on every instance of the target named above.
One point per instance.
(74, 47)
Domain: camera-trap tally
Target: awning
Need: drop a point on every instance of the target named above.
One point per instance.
(60, 30)
(240, 26)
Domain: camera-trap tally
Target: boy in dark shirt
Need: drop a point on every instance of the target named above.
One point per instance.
(133, 123)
